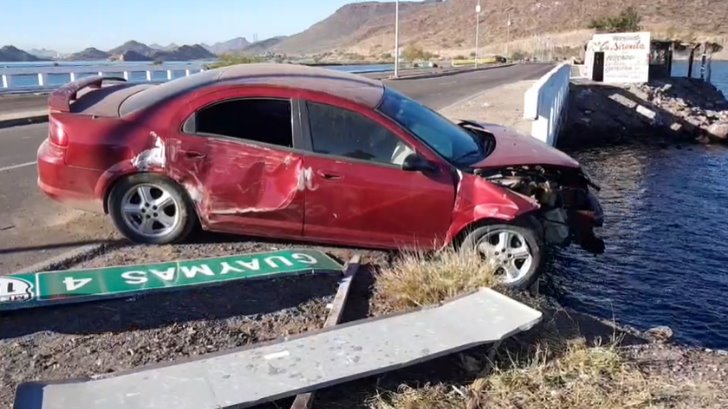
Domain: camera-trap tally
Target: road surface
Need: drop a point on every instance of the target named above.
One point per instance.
(34, 228)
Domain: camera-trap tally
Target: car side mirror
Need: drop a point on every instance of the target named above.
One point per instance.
(414, 163)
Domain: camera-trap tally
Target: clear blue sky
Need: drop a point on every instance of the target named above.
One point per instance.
(72, 25)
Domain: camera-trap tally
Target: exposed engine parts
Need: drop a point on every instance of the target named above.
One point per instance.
(569, 211)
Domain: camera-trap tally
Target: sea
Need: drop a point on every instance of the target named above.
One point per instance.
(666, 232)
(30, 81)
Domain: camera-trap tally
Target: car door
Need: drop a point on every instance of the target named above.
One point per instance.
(359, 193)
(235, 156)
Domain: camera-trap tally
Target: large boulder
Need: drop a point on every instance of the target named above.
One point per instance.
(718, 131)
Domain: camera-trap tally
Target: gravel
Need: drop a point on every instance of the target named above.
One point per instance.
(83, 340)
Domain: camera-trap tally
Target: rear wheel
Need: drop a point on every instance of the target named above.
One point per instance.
(515, 252)
(151, 209)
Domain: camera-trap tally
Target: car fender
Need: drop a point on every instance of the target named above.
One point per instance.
(478, 200)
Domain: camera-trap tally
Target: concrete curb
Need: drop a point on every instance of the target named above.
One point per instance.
(25, 120)
(62, 260)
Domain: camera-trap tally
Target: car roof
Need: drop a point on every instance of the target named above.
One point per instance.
(352, 87)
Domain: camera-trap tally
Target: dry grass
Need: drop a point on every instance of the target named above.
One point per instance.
(597, 377)
(417, 280)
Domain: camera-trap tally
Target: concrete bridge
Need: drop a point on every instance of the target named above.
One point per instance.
(33, 228)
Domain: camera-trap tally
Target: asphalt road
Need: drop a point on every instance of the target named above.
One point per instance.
(34, 228)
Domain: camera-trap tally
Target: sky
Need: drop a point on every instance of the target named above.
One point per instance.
(72, 25)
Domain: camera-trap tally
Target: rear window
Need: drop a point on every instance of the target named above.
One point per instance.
(168, 90)
(257, 120)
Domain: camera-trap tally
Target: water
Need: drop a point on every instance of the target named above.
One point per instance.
(666, 231)
(30, 81)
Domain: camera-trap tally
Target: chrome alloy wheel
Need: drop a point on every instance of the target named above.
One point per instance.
(508, 253)
(150, 210)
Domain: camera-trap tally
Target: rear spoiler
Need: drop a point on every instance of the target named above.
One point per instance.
(60, 100)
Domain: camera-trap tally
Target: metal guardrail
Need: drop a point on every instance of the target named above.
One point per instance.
(545, 103)
(40, 78)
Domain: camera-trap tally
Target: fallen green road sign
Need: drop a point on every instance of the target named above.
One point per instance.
(70, 286)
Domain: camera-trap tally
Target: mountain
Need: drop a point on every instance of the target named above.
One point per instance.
(89, 54)
(184, 53)
(130, 55)
(346, 26)
(449, 26)
(134, 46)
(159, 47)
(10, 53)
(44, 53)
(263, 46)
(231, 46)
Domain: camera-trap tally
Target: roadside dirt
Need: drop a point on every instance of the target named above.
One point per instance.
(97, 338)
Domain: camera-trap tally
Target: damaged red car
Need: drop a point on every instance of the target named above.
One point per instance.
(302, 153)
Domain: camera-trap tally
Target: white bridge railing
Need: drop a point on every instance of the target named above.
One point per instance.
(545, 104)
(40, 78)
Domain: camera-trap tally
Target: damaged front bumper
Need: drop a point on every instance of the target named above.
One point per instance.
(574, 222)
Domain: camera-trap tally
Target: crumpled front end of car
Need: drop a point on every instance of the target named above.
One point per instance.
(569, 211)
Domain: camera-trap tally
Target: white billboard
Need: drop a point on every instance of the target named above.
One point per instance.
(626, 56)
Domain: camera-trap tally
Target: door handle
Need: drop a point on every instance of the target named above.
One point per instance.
(195, 155)
(328, 175)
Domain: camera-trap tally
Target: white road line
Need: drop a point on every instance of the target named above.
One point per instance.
(21, 165)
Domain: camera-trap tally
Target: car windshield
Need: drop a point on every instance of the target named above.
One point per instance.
(452, 142)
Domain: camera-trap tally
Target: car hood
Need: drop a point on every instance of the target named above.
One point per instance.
(513, 148)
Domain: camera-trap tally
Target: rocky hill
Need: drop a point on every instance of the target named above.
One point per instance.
(89, 54)
(10, 53)
(442, 26)
(134, 46)
(263, 46)
(235, 45)
(346, 27)
(136, 51)
(184, 53)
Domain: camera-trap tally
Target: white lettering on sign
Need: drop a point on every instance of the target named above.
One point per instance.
(14, 290)
(135, 277)
(253, 265)
(271, 261)
(227, 268)
(75, 284)
(191, 272)
(166, 275)
(304, 258)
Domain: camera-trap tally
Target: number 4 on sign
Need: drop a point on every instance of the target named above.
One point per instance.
(73, 284)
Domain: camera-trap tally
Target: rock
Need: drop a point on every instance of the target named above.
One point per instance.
(661, 334)
(719, 130)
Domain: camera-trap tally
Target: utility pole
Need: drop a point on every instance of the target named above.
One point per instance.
(396, 39)
(477, 32)
(508, 36)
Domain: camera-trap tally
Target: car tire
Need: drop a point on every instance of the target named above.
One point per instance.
(151, 209)
(520, 264)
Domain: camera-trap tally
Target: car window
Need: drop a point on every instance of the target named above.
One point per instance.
(340, 132)
(260, 120)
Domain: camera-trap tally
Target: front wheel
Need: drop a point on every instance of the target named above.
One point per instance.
(151, 209)
(514, 252)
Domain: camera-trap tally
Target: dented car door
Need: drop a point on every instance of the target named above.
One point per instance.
(239, 166)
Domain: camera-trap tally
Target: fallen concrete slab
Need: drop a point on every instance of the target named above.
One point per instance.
(250, 376)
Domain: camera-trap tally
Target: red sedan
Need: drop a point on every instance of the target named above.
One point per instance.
(295, 152)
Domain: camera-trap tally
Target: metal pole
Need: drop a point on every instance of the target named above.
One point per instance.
(508, 36)
(396, 39)
(477, 32)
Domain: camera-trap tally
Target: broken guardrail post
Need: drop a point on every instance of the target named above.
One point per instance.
(305, 401)
(263, 373)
